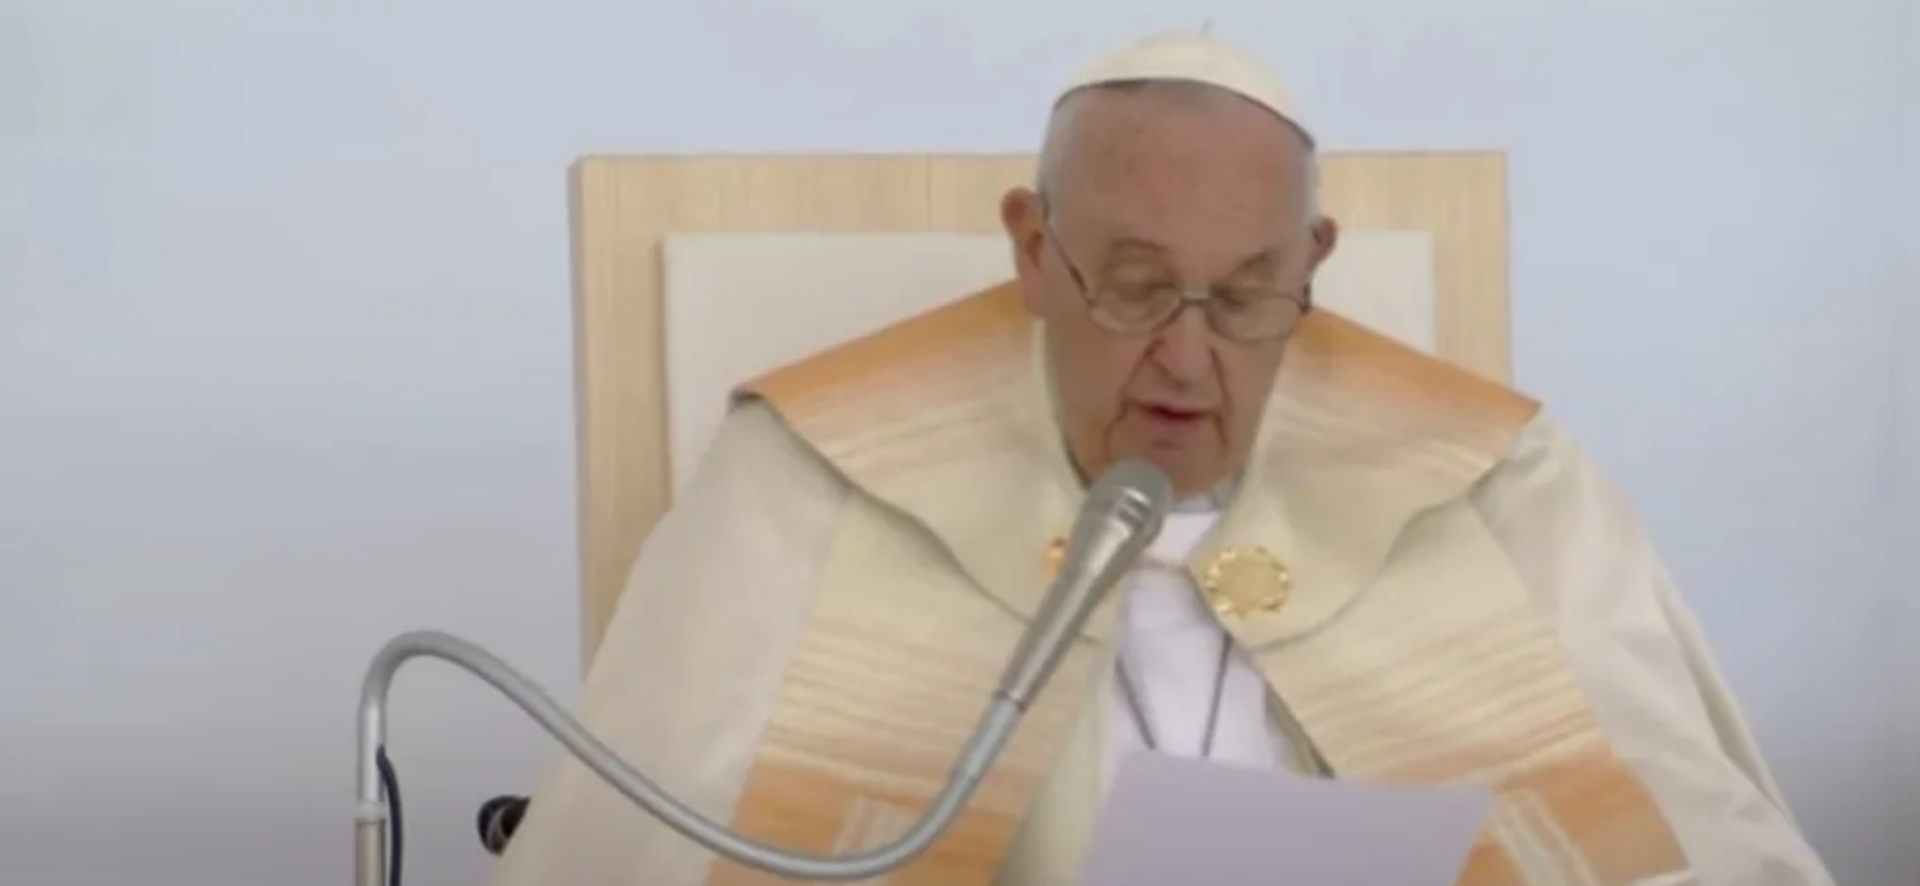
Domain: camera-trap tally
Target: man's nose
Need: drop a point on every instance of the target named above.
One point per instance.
(1184, 348)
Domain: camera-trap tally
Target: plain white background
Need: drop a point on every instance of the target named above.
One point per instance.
(284, 353)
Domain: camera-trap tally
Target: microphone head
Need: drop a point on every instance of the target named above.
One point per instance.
(1121, 516)
(1135, 491)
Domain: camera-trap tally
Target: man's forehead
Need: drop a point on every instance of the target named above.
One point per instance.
(1132, 167)
(1195, 58)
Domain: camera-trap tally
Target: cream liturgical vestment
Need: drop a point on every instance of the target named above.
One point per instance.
(811, 632)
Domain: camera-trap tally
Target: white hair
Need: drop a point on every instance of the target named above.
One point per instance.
(1055, 148)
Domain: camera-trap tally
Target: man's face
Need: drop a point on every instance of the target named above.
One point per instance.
(1160, 196)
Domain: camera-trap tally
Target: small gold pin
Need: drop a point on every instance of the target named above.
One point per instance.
(1050, 566)
(1246, 580)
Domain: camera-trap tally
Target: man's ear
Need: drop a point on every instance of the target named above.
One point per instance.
(1021, 216)
(1326, 237)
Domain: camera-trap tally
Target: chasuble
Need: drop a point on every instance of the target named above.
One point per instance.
(1430, 579)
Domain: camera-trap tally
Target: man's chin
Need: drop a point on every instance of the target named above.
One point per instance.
(1191, 477)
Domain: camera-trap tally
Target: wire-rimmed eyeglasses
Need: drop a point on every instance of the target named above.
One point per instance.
(1244, 314)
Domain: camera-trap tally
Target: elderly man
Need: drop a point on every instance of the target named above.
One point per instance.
(1381, 567)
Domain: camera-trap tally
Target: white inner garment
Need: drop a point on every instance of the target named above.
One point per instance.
(1170, 649)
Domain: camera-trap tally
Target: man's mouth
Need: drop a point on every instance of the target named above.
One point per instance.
(1174, 415)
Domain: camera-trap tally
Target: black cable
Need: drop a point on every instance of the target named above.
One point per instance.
(391, 782)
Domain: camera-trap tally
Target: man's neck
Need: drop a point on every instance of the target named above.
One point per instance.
(1215, 499)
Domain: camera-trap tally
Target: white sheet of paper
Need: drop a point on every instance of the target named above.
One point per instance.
(1171, 820)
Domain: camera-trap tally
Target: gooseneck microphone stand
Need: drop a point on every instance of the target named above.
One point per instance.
(1121, 516)
(372, 815)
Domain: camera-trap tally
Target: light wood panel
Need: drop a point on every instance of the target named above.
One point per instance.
(624, 206)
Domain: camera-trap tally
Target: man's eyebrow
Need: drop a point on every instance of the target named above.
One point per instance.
(1124, 244)
(1119, 244)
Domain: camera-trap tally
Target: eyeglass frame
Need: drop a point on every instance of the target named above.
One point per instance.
(1205, 299)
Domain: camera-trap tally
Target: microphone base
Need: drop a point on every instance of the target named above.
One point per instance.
(370, 852)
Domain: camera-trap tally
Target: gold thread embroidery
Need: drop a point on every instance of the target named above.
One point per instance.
(1246, 580)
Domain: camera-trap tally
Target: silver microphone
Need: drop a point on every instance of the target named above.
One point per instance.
(1122, 514)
